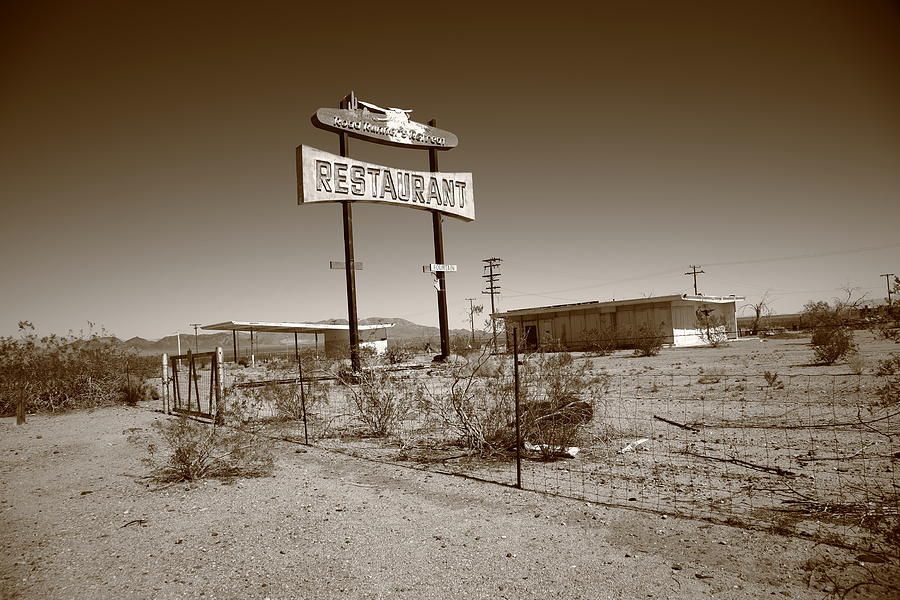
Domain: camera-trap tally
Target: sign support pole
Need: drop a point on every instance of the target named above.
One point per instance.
(349, 268)
(437, 223)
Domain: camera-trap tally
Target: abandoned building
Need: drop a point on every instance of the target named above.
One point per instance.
(681, 320)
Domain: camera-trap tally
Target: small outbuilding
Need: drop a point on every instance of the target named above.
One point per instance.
(680, 319)
(337, 336)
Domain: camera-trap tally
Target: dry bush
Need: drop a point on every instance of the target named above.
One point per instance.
(648, 341)
(831, 343)
(398, 353)
(475, 401)
(278, 401)
(601, 341)
(715, 375)
(712, 328)
(135, 389)
(857, 363)
(381, 400)
(557, 396)
(83, 370)
(832, 338)
(196, 450)
(888, 393)
(772, 380)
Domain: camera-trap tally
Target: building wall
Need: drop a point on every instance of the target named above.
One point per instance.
(677, 321)
(337, 342)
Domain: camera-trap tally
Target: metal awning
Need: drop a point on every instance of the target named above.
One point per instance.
(257, 326)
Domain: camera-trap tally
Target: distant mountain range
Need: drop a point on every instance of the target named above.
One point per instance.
(267, 343)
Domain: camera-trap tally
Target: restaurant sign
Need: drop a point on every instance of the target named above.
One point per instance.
(390, 126)
(325, 177)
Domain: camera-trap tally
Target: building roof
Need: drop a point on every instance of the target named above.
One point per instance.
(288, 327)
(598, 304)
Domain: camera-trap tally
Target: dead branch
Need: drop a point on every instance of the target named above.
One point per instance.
(744, 463)
(664, 420)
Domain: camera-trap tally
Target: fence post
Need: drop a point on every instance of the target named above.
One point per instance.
(20, 408)
(518, 412)
(302, 398)
(220, 385)
(165, 382)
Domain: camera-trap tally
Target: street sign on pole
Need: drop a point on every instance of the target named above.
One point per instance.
(341, 265)
(435, 268)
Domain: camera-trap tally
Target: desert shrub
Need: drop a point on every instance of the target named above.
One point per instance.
(135, 389)
(195, 450)
(712, 329)
(831, 343)
(888, 393)
(380, 399)
(476, 401)
(557, 394)
(648, 341)
(714, 375)
(832, 338)
(888, 366)
(54, 373)
(601, 341)
(772, 379)
(856, 362)
(473, 401)
(272, 400)
(398, 353)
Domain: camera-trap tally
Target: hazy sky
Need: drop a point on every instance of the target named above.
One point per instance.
(147, 165)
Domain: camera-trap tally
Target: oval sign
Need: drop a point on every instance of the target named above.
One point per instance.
(391, 127)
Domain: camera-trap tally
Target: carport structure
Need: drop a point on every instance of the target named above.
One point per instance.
(336, 335)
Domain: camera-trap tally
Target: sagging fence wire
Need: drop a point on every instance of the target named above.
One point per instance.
(810, 455)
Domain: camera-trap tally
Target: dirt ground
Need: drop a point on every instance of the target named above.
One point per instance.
(78, 519)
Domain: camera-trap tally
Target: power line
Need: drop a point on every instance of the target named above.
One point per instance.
(544, 293)
(802, 256)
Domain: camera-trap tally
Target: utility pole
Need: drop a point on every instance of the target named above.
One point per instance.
(472, 310)
(492, 287)
(887, 279)
(695, 272)
(195, 326)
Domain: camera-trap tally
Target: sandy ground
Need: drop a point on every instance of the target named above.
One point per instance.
(78, 521)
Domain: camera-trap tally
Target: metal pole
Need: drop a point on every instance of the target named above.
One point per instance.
(349, 267)
(437, 225)
(472, 319)
(302, 392)
(220, 385)
(518, 412)
(234, 343)
(165, 383)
